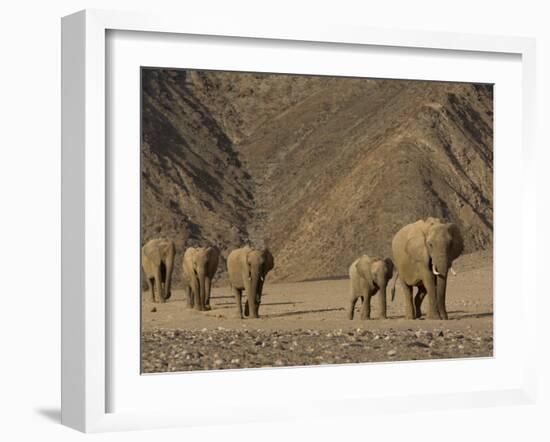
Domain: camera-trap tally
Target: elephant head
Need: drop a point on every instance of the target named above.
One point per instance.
(443, 245)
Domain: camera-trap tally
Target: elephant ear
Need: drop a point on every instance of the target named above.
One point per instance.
(416, 248)
(214, 258)
(457, 243)
(188, 263)
(389, 267)
(268, 262)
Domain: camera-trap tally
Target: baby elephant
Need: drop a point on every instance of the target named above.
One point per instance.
(369, 276)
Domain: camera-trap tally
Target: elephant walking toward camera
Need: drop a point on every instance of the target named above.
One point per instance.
(157, 260)
(199, 267)
(369, 276)
(423, 253)
(247, 270)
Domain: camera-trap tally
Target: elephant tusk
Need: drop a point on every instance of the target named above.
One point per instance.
(453, 271)
(435, 272)
(262, 278)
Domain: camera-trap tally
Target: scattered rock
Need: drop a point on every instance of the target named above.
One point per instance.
(218, 348)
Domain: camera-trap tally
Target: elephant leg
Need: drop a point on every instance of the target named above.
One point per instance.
(407, 296)
(207, 288)
(246, 310)
(152, 288)
(365, 308)
(382, 302)
(196, 295)
(352, 306)
(190, 300)
(238, 293)
(429, 285)
(418, 298)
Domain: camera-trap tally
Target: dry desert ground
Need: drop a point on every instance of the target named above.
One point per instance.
(305, 323)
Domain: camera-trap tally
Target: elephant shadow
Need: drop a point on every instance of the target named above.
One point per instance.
(226, 305)
(464, 315)
(457, 315)
(304, 312)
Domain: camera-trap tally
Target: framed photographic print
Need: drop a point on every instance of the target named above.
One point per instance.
(250, 214)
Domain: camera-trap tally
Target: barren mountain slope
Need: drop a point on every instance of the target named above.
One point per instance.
(336, 166)
(195, 190)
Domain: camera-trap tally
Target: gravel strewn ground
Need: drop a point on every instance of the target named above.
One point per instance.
(183, 350)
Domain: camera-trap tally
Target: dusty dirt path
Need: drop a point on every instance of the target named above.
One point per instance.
(305, 323)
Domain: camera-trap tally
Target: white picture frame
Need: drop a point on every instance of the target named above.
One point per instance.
(85, 218)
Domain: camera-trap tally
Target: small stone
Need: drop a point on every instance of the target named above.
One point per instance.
(218, 362)
(235, 361)
(154, 310)
(418, 344)
(392, 353)
(279, 362)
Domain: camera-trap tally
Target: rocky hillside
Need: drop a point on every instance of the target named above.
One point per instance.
(319, 169)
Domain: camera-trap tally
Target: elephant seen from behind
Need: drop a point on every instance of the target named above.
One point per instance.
(423, 253)
(248, 268)
(369, 276)
(157, 260)
(199, 267)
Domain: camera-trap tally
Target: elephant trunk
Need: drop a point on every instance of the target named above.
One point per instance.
(439, 266)
(168, 277)
(253, 293)
(441, 289)
(207, 285)
(202, 289)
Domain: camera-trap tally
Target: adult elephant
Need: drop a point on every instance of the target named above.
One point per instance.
(199, 267)
(369, 276)
(157, 260)
(248, 268)
(423, 253)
